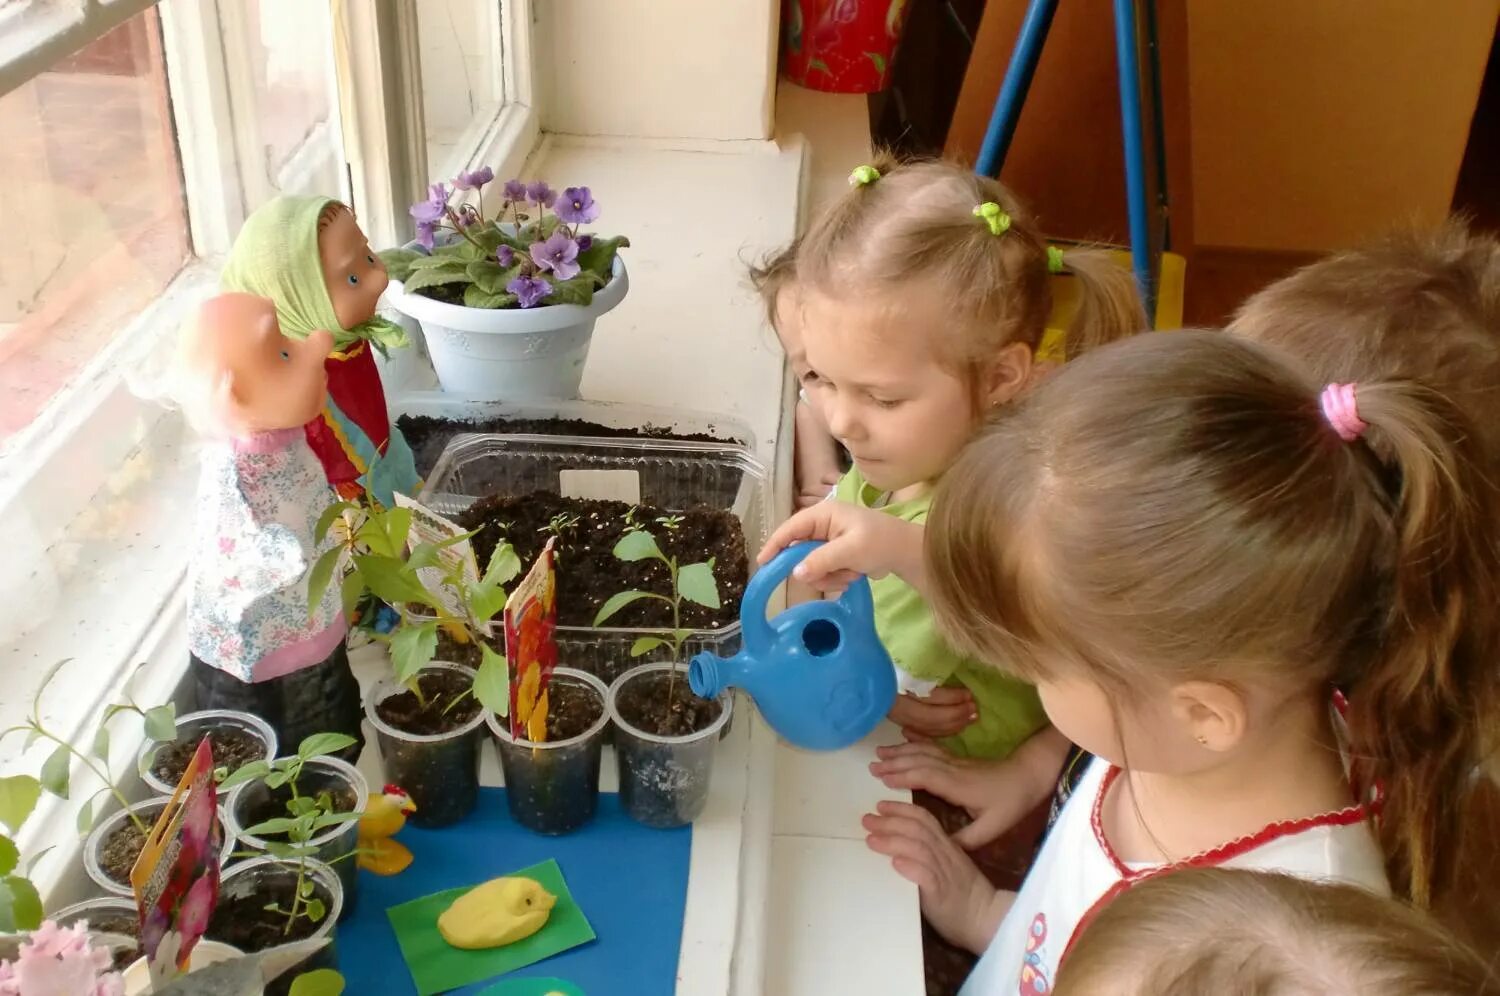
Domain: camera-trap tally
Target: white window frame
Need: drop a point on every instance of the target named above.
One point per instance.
(53, 468)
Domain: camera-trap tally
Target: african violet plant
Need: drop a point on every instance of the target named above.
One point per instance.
(690, 582)
(533, 252)
(53, 959)
(371, 558)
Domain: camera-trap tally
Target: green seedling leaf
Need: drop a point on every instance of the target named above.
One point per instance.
(316, 910)
(300, 805)
(277, 824)
(20, 906)
(646, 644)
(319, 982)
(320, 576)
(101, 744)
(695, 582)
(637, 545)
(617, 602)
(331, 514)
(352, 591)
(331, 820)
(245, 773)
(10, 855)
(276, 779)
(55, 772)
(85, 819)
(36, 859)
(412, 649)
(392, 582)
(504, 565)
(492, 682)
(18, 797)
(161, 723)
(321, 744)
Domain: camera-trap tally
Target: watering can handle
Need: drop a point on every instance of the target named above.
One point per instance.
(758, 633)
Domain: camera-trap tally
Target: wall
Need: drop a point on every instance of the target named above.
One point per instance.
(695, 69)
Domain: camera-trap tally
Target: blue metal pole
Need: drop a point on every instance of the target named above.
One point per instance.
(1002, 126)
(1135, 151)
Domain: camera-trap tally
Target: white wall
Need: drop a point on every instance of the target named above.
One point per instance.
(701, 69)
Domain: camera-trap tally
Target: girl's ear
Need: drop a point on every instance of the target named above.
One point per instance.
(1213, 715)
(1006, 375)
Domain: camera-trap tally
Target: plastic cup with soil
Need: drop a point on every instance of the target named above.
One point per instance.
(664, 743)
(242, 919)
(113, 922)
(110, 849)
(553, 787)
(253, 803)
(429, 746)
(237, 738)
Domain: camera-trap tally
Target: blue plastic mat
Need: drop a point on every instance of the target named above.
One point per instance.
(630, 880)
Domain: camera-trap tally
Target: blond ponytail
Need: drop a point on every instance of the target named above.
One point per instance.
(1109, 305)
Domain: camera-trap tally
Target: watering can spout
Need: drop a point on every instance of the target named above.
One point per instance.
(709, 675)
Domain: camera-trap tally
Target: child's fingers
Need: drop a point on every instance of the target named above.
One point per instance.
(929, 779)
(927, 748)
(931, 720)
(987, 827)
(808, 524)
(944, 695)
(919, 874)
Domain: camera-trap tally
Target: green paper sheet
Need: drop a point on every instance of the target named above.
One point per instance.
(533, 987)
(436, 966)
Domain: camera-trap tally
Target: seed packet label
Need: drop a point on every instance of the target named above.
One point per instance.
(429, 527)
(531, 646)
(601, 485)
(176, 877)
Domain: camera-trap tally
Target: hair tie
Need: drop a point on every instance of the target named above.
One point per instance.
(863, 176)
(992, 216)
(1054, 259)
(1340, 411)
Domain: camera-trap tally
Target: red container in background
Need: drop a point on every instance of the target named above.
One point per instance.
(842, 46)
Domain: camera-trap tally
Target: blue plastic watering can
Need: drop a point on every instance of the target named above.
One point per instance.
(818, 672)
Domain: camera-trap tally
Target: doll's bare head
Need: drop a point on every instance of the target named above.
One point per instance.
(240, 375)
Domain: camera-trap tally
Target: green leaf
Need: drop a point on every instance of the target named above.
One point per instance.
(18, 797)
(10, 855)
(278, 778)
(412, 649)
(318, 982)
(161, 723)
(350, 594)
(490, 277)
(637, 545)
(36, 859)
(36, 700)
(599, 258)
(579, 290)
(20, 906)
(492, 682)
(397, 524)
(391, 582)
(695, 582)
(277, 824)
(306, 888)
(646, 644)
(398, 261)
(332, 819)
(101, 744)
(55, 772)
(316, 910)
(301, 804)
(504, 564)
(878, 60)
(477, 297)
(85, 818)
(246, 773)
(330, 515)
(486, 601)
(436, 276)
(323, 744)
(444, 258)
(617, 602)
(320, 576)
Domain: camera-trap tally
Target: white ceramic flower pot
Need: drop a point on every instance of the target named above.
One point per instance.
(510, 354)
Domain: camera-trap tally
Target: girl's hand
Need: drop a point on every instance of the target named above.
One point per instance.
(956, 897)
(859, 541)
(996, 793)
(817, 492)
(815, 458)
(941, 713)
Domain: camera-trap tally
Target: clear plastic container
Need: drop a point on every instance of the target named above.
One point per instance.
(148, 811)
(553, 787)
(336, 844)
(193, 726)
(257, 877)
(673, 475)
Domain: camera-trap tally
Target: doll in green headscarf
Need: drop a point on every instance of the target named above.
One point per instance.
(308, 255)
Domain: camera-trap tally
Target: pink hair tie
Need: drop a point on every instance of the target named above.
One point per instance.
(1340, 411)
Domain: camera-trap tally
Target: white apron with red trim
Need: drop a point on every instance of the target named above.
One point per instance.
(1077, 870)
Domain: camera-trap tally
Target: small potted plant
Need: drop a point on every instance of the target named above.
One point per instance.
(270, 901)
(428, 714)
(664, 734)
(237, 738)
(507, 303)
(53, 959)
(308, 801)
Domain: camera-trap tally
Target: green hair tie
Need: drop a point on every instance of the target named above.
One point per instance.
(1054, 259)
(992, 216)
(863, 176)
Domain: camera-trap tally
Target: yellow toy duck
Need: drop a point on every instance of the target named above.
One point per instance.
(499, 912)
(384, 815)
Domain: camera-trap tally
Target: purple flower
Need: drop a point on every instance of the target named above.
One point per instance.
(431, 211)
(585, 242)
(424, 234)
(577, 207)
(468, 215)
(474, 180)
(529, 291)
(515, 191)
(505, 256)
(558, 254)
(540, 193)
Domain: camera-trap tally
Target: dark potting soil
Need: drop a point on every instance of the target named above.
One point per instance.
(124, 844)
(571, 710)
(428, 436)
(588, 572)
(406, 712)
(244, 922)
(655, 704)
(231, 748)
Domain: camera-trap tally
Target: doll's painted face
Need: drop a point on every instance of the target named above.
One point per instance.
(260, 379)
(355, 276)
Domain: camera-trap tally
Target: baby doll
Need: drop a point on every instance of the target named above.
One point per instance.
(308, 255)
(254, 643)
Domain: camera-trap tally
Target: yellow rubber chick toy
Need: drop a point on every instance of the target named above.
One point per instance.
(384, 815)
(499, 912)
